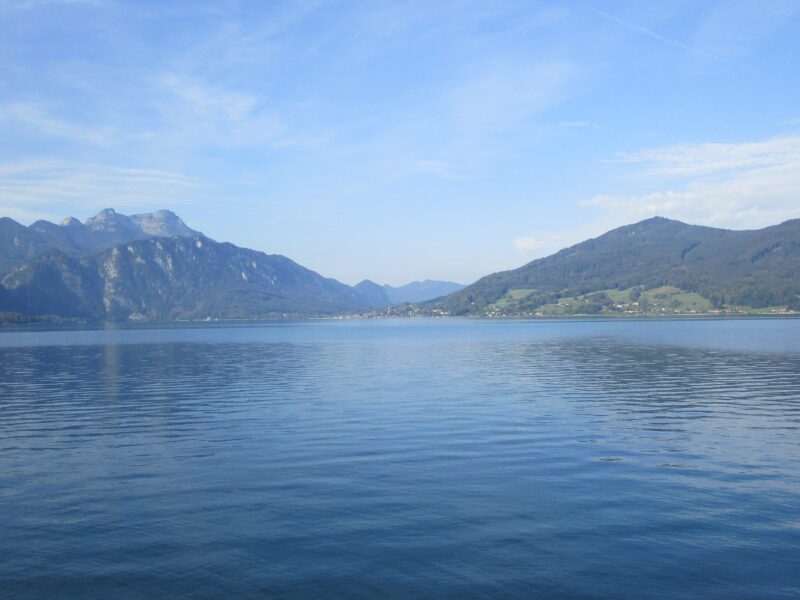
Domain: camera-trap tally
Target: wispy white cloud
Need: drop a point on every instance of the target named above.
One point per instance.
(734, 27)
(713, 158)
(462, 124)
(40, 120)
(738, 185)
(735, 185)
(213, 114)
(499, 95)
(549, 241)
(440, 168)
(528, 244)
(576, 124)
(44, 188)
(455, 130)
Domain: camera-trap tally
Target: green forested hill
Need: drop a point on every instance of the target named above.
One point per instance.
(757, 268)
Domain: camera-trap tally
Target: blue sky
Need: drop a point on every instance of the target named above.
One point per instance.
(402, 140)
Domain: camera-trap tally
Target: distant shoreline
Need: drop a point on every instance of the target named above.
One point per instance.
(42, 322)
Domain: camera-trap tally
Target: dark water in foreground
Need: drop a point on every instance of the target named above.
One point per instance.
(403, 459)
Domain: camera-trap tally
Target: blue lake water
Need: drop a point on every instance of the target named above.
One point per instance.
(402, 459)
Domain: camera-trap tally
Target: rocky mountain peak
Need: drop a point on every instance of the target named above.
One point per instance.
(71, 222)
(110, 220)
(162, 223)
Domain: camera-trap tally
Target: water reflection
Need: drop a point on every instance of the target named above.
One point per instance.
(429, 460)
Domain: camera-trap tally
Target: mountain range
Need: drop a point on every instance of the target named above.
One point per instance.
(416, 291)
(657, 265)
(153, 266)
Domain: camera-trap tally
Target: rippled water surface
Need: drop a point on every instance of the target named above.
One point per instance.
(402, 459)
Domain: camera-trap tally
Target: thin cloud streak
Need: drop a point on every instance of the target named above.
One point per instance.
(503, 94)
(40, 120)
(651, 33)
(713, 158)
(36, 4)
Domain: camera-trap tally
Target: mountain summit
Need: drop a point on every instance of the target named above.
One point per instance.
(106, 229)
(162, 223)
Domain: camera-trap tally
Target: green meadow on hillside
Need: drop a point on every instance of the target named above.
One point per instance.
(634, 300)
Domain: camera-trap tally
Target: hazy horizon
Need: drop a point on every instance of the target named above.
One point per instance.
(401, 141)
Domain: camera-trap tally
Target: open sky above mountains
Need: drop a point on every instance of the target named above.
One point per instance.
(402, 140)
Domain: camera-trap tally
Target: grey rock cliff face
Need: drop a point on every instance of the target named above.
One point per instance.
(162, 223)
(106, 229)
(167, 278)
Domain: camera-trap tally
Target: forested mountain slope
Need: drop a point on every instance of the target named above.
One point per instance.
(756, 268)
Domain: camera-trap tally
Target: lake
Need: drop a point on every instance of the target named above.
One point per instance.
(402, 459)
